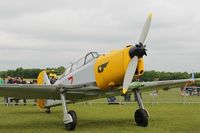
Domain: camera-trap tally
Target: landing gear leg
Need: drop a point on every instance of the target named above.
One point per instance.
(69, 118)
(141, 115)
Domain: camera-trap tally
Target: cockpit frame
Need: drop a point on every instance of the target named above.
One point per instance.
(81, 62)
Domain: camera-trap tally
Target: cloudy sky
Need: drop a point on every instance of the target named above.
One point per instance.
(51, 33)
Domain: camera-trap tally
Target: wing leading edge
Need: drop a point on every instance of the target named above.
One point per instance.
(30, 91)
(149, 86)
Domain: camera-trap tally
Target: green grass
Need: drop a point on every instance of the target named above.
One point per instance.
(103, 118)
(100, 118)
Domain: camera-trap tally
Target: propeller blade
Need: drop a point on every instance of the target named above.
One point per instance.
(145, 29)
(130, 72)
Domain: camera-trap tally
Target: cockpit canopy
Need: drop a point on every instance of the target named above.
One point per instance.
(90, 56)
(81, 62)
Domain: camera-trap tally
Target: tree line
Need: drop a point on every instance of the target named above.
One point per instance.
(147, 76)
(157, 75)
(29, 73)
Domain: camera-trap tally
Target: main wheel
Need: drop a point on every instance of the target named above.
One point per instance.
(72, 125)
(141, 117)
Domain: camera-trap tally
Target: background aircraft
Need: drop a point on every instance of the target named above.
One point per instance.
(96, 76)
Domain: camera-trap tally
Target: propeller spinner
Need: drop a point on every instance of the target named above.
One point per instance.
(137, 51)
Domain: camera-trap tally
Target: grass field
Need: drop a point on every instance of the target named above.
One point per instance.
(102, 118)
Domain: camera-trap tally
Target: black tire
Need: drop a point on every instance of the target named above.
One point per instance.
(141, 117)
(48, 110)
(72, 125)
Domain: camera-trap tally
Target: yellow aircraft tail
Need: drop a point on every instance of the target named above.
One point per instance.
(41, 80)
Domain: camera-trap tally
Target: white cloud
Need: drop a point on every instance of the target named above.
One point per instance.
(53, 33)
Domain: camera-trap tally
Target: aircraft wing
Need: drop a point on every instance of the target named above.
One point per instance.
(31, 91)
(167, 84)
(28, 91)
(81, 92)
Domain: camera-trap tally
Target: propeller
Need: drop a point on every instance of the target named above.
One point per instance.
(129, 73)
(145, 29)
(136, 52)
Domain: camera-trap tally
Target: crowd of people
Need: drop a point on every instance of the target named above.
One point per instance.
(20, 80)
(16, 80)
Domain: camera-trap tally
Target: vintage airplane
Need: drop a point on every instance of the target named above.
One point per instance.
(95, 76)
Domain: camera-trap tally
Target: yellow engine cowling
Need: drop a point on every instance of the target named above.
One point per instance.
(110, 68)
(140, 68)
